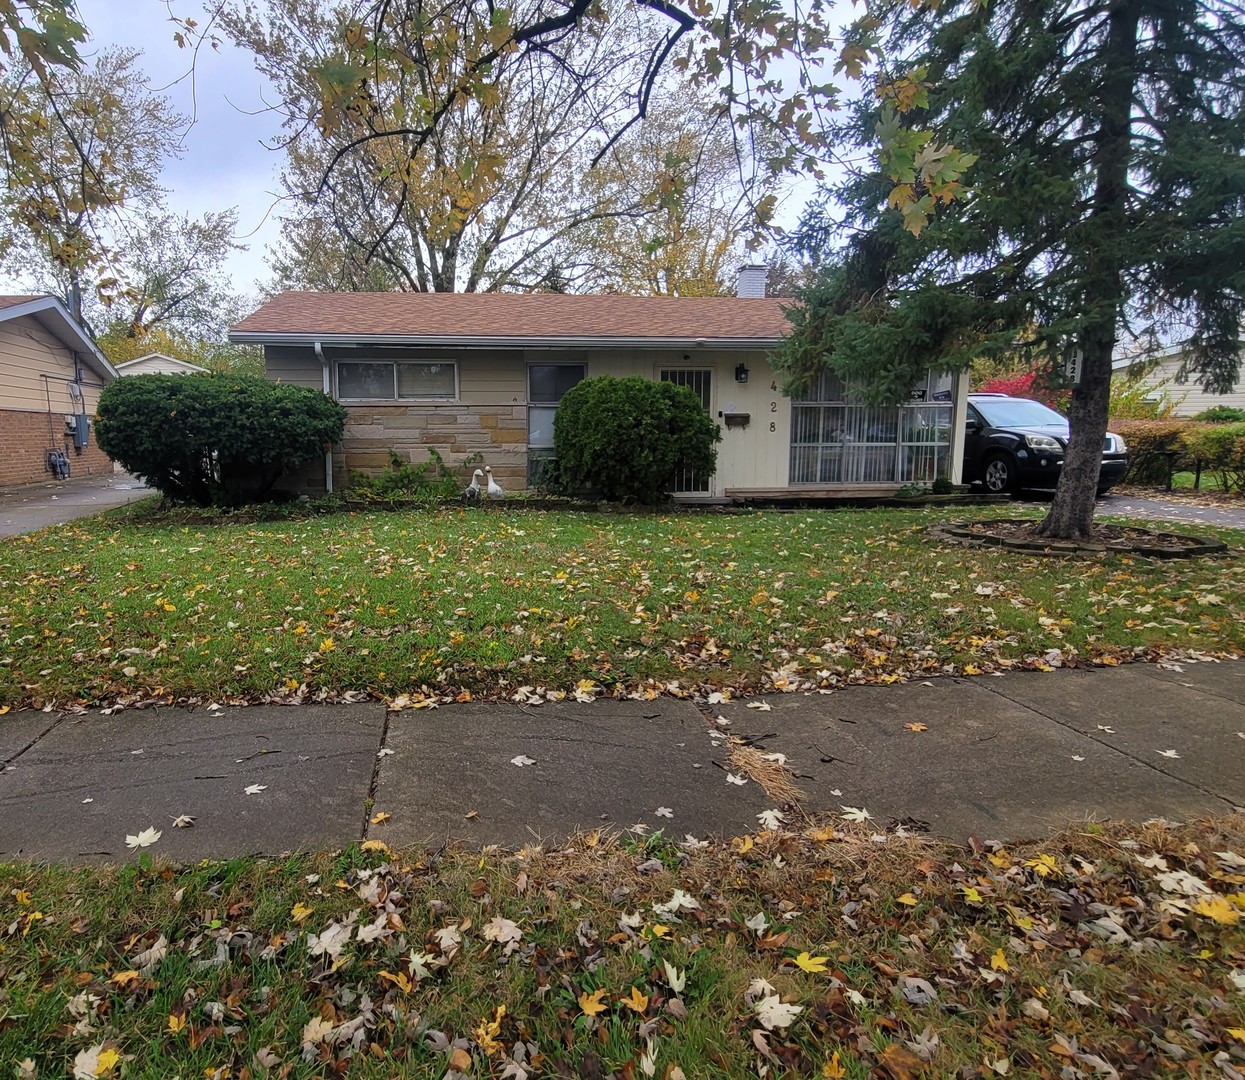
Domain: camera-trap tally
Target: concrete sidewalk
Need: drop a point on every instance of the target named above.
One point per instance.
(25, 509)
(1003, 758)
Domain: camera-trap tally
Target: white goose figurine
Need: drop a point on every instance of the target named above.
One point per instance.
(471, 493)
(495, 492)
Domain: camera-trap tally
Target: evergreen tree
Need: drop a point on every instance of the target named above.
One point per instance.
(1108, 198)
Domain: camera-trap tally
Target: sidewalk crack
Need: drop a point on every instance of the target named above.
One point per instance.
(33, 742)
(1109, 746)
(369, 803)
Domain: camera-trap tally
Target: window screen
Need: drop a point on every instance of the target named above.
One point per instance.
(426, 381)
(365, 380)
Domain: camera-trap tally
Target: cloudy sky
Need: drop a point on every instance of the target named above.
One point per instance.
(225, 161)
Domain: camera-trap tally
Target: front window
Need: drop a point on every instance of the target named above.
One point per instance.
(546, 386)
(397, 380)
(834, 441)
(1018, 412)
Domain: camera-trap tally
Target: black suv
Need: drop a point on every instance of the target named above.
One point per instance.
(1013, 443)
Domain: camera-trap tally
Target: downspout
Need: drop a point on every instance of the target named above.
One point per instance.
(328, 391)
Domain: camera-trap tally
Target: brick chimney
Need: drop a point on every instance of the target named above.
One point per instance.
(750, 281)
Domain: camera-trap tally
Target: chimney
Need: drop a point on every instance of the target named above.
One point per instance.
(750, 281)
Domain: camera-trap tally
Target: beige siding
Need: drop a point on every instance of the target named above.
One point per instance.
(156, 365)
(1189, 397)
(296, 366)
(27, 352)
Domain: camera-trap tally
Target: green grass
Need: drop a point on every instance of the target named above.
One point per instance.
(1017, 944)
(486, 602)
(1183, 481)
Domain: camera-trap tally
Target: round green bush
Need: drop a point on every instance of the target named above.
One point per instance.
(627, 438)
(213, 439)
(1221, 414)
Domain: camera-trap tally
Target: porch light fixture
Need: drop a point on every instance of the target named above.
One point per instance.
(741, 374)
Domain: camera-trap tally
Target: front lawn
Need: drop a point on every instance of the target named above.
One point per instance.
(1108, 951)
(487, 602)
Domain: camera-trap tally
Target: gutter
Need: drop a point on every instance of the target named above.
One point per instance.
(244, 337)
(328, 392)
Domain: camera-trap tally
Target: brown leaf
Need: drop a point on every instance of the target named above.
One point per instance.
(460, 1059)
(897, 1061)
(478, 888)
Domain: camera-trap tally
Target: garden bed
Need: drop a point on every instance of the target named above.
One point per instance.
(1022, 535)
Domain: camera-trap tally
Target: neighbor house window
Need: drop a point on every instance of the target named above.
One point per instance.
(835, 441)
(397, 380)
(546, 384)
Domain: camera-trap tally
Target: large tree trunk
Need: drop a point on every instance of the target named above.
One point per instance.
(1071, 515)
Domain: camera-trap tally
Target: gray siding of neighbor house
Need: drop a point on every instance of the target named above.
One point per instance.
(1189, 397)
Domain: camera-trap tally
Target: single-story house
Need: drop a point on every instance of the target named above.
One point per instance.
(158, 364)
(1158, 374)
(482, 374)
(51, 373)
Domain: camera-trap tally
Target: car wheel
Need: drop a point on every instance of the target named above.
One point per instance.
(998, 474)
(1102, 491)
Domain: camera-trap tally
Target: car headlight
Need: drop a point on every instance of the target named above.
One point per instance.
(1117, 444)
(1044, 442)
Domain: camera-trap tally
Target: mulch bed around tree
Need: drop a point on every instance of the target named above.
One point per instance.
(1022, 535)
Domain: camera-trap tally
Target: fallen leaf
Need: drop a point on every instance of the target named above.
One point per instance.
(774, 1013)
(300, 912)
(144, 839)
(908, 899)
(460, 1060)
(739, 781)
(675, 979)
(522, 760)
(917, 727)
(814, 965)
(856, 813)
(177, 1021)
(771, 819)
(377, 819)
(663, 811)
(1168, 753)
(833, 1069)
(183, 821)
(594, 1003)
(255, 789)
(900, 1063)
(998, 961)
(635, 1001)
(1218, 910)
(124, 978)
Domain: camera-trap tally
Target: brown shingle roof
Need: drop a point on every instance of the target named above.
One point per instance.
(518, 316)
(13, 301)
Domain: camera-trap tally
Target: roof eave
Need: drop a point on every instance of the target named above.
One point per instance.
(462, 341)
(66, 330)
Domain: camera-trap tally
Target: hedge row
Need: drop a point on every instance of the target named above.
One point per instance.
(1218, 448)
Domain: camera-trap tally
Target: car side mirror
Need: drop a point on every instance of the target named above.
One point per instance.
(972, 426)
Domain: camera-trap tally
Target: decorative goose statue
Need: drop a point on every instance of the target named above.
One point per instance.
(471, 493)
(495, 492)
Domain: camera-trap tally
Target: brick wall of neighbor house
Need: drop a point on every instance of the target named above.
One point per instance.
(24, 442)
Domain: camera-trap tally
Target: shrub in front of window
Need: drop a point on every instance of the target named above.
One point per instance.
(627, 438)
(214, 439)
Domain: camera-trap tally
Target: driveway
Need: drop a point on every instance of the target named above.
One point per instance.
(1162, 509)
(25, 509)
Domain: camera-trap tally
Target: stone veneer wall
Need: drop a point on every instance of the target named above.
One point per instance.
(498, 433)
(24, 449)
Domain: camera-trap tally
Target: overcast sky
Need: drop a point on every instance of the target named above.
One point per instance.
(225, 162)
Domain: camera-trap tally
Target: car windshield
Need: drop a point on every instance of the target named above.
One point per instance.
(1018, 412)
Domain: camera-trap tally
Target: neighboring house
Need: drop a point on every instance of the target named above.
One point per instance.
(482, 374)
(1159, 374)
(51, 374)
(158, 364)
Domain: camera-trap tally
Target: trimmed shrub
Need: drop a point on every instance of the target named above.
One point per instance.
(1220, 448)
(214, 440)
(1221, 414)
(627, 438)
(1149, 444)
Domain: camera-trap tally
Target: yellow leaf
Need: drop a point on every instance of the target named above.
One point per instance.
(635, 1001)
(1217, 909)
(4, 709)
(1237, 1033)
(22, 897)
(123, 978)
(487, 1031)
(998, 961)
(374, 845)
(971, 894)
(300, 912)
(823, 836)
(382, 816)
(106, 1062)
(742, 844)
(177, 1021)
(1043, 865)
(833, 1069)
(659, 930)
(999, 859)
(593, 1003)
(908, 899)
(814, 965)
(917, 727)
(398, 979)
(972, 669)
